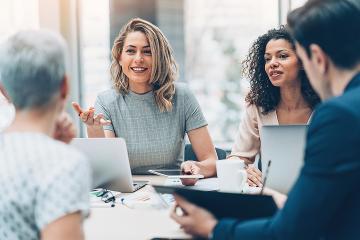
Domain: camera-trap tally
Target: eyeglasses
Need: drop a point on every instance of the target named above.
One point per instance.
(106, 196)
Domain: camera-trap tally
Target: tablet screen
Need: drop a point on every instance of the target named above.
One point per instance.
(174, 173)
(170, 172)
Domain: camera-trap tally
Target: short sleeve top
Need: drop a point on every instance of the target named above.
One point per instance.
(247, 141)
(41, 180)
(154, 139)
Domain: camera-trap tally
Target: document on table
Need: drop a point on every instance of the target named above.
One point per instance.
(99, 201)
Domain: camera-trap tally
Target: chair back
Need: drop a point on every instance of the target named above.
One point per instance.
(190, 154)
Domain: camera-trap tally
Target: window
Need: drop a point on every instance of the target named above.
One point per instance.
(95, 49)
(218, 36)
(15, 15)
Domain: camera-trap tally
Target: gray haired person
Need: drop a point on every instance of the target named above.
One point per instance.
(44, 182)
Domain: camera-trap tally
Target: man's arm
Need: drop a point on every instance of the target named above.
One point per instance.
(320, 191)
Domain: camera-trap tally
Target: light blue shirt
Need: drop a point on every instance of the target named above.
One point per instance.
(41, 180)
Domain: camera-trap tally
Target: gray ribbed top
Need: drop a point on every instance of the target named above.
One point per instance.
(154, 139)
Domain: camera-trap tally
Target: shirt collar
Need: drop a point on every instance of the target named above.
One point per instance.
(354, 82)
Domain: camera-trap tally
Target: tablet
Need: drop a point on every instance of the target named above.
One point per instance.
(226, 205)
(174, 173)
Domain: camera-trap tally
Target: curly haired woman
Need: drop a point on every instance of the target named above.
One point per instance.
(146, 107)
(280, 93)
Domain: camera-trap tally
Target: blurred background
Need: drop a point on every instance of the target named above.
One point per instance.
(210, 38)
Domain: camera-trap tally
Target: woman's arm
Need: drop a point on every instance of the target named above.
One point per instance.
(68, 227)
(95, 132)
(247, 144)
(99, 133)
(204, 150)
(94, 123)
(247, 140)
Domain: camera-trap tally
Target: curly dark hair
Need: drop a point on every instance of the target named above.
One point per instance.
(262, 93)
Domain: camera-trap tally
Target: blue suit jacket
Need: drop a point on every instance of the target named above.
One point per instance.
(324, 203)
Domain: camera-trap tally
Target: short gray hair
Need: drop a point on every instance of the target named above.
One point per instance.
(32, 67)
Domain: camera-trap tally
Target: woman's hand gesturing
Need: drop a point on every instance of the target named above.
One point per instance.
(89, 118)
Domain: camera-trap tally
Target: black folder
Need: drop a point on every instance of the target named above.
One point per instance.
(226, 205)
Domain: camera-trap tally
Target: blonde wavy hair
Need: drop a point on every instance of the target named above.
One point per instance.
(164, 68)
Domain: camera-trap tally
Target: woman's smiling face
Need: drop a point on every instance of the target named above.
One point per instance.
(136, 60)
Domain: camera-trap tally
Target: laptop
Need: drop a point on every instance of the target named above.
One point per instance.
(109, 160)
(284, 145)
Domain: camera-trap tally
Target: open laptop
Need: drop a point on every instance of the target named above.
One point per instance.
(284, 145)
(110, 163)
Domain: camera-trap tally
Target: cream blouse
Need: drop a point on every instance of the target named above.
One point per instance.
(247, 141)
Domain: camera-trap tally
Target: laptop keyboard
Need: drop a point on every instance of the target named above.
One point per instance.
(139, 184)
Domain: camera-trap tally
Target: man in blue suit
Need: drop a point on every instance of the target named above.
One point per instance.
(324, 203)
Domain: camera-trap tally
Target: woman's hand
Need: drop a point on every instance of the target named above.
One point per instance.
(189, 168)
(254, 177)
(88, 117)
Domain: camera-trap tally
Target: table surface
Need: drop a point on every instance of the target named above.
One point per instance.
(137, 221)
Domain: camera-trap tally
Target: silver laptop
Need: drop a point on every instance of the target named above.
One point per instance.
(284, 145)
(110, 163)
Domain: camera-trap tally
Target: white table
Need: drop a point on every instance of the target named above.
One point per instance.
(141, 222)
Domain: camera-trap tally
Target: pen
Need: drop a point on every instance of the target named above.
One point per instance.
(125, 203)
(265, 177)
(101, 205)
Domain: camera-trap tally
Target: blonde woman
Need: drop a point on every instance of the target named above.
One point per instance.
(147, 108)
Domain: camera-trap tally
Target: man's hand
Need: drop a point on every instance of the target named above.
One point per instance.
(64, 129)
(279, 198)
(194, 220)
